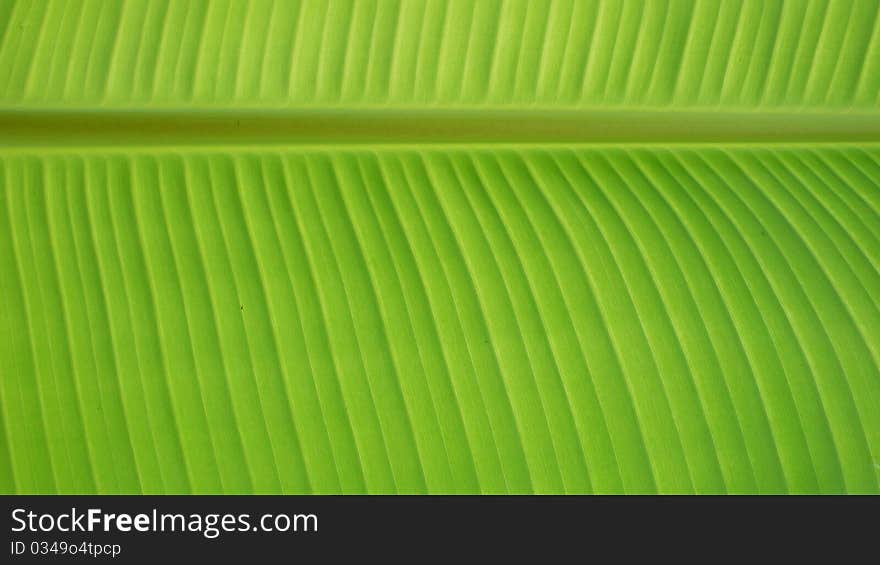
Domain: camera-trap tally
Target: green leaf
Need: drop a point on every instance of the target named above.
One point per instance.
(455, 246)
(143, 54)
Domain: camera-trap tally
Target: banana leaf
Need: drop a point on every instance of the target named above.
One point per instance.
(440, 246)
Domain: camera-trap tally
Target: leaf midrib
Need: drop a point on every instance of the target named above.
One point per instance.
(337, 126)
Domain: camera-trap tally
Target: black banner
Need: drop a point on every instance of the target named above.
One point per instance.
(130, 529)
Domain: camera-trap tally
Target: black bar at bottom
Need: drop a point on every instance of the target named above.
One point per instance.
(427, 528)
